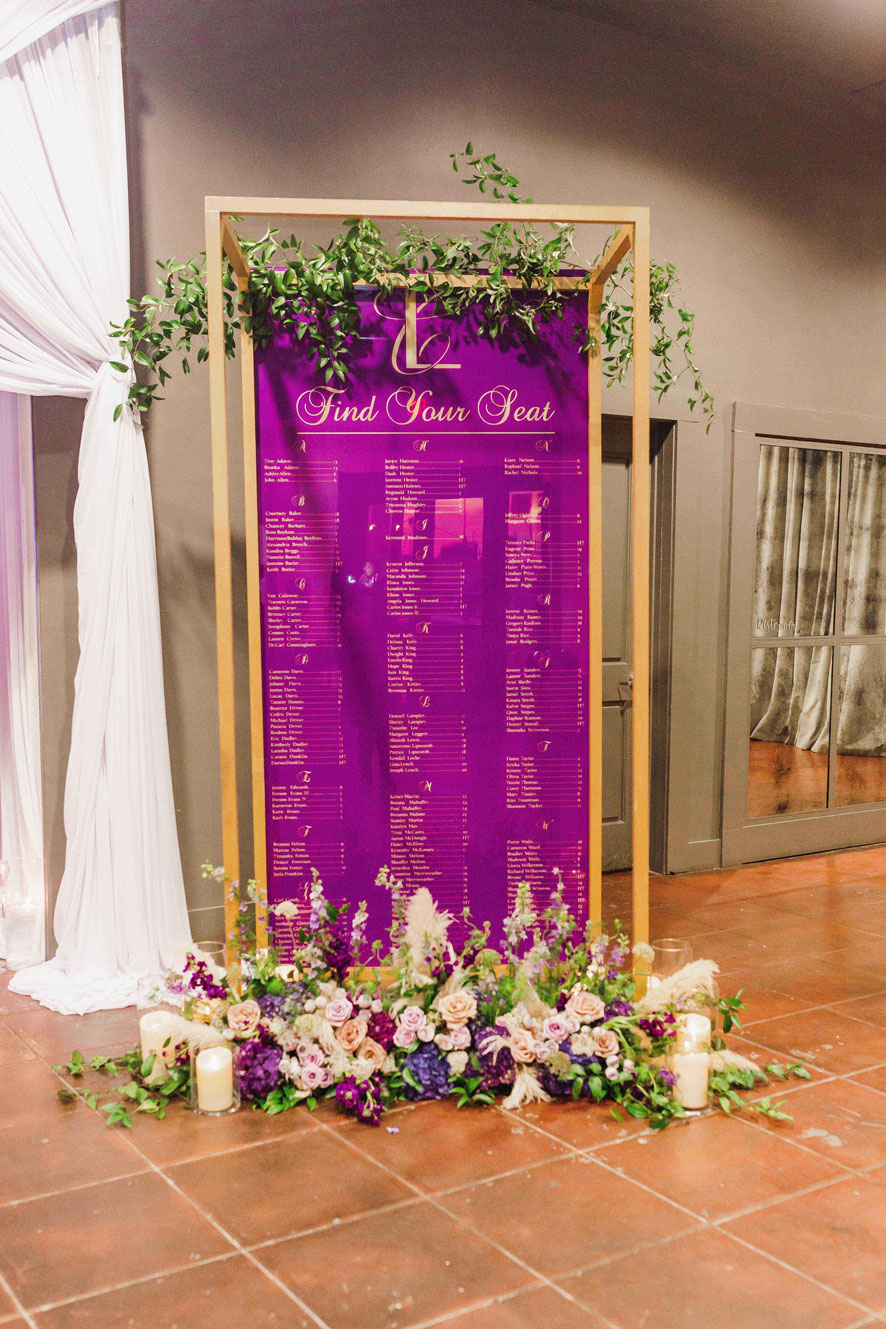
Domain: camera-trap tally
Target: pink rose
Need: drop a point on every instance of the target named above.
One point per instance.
(313, 1076)
(605, 1042)
(426, 1032)
(523, 1045)
(243, 1018)
(585, 1006)
(374, 1052)
(351, 1034)
(412, 1018)
(556, 1028)
(611, 1072)
(457, 1009)
(308, 1053)
(404, 1038)
(338, 1010)
(461, 1038)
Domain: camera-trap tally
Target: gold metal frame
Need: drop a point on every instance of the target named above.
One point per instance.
(633, 235)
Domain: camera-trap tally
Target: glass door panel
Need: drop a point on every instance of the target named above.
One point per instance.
(861, 726)
(789, 730)
(798, 506)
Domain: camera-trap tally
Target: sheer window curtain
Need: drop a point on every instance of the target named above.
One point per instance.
(798, 504)
(21, 814)
(64, 276)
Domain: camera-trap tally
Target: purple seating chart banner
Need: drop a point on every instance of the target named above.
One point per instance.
(423, 563)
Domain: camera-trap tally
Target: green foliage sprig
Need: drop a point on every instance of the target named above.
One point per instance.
(312, 294)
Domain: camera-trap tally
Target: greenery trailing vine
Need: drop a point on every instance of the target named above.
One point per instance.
(313, 294)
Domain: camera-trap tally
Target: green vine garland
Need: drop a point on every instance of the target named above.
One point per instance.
(313, 294)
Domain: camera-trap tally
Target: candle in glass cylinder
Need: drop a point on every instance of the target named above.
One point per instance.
(215, 1079)
(690, 1061)
(154, 1029)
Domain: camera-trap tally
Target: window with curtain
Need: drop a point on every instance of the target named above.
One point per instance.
(819, 615)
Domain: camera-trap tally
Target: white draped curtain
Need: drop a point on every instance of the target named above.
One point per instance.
(64, 277)
(21, 815)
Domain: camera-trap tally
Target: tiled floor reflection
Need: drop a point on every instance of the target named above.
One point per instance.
(556, 1218)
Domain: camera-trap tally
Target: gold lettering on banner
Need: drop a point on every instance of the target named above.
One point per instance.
(408, 338)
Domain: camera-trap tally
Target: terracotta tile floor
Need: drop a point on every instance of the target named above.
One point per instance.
(557, 1218)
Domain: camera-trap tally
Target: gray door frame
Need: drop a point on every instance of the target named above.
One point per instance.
(788, 834)
(617, 446)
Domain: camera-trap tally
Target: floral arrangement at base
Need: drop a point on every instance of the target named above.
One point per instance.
(554, 1013)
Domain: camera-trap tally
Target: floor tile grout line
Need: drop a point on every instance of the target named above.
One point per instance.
(488, 1302)
(17, 1302)
(759, 1250)
(131, 1282)
(431, 1199)
(229, 1237)
(334, 1224)
(69, 1190)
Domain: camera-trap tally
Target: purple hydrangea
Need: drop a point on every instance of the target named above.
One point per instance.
(283, 1006)
(618, 1007)
(364, 1100)
(429, 1069)
(258, 1068)
(667, 1077)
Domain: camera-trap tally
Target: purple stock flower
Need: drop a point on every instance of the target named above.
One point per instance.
(382, 1028)
(364, 1100)
(657, 1027)
(200, 979)
(497, 1065)
(258, 1068)
(335, 946)
(667, 1077)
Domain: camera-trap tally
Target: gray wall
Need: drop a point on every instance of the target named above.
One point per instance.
(766, 192)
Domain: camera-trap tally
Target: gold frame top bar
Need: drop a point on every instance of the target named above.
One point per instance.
(393, 209)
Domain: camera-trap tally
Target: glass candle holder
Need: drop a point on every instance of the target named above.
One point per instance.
(670, 955)
(22, 920)
(214, 1088)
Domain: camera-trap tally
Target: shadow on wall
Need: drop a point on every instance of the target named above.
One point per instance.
(365, 100)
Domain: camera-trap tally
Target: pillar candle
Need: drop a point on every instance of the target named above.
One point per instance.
(215, 1079)
(690, 1061)
(154, 1029)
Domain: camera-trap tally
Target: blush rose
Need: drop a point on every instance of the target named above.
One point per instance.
(243, 1018)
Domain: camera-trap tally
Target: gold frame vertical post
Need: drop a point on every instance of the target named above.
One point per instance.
(640, 548)
(224, 610)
